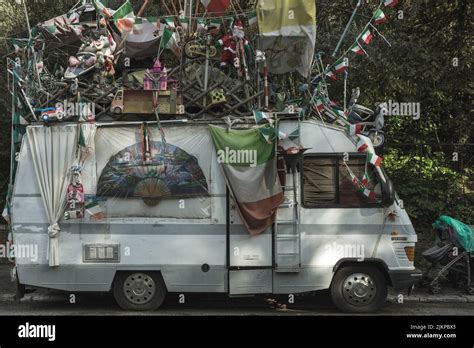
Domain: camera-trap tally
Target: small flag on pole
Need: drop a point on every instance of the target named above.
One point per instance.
(367, 36)
(94, 209)
(319, 105)
(253, 21)
(341, 65)
(365, 179)
(331, 75)
(170, 22)
(362, 145)
(391, 3)
(354, 129)
(380, 17)
(169, 40)
(375, 160)
(357, 49)
(368, 193)
(126, 10)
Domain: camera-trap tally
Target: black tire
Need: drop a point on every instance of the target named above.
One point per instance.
(117, 110)
(147, 297)
(374, 286)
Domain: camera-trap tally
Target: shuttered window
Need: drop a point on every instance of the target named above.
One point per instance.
(326, 181)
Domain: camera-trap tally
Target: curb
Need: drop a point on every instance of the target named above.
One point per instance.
(33, 298)
(432, 299)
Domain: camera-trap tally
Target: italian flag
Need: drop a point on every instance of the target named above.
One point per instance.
(124, 17)
(124, 11)
(341, 65)
(331, 75)
(94, 209)
(170, 40)
(380, 17)
(357, 49)
(200, 23)
(362, 145)
(353, 129)
(375, 160)
(368, 193)
(216, 22)
(255, 187)
(253, 21)
(319, 105)
(367, 36)
(170, 22)
(365, 179)
(100, 8)
(339, 113)
(391, 3)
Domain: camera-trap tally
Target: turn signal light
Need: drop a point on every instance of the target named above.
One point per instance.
(410, 251)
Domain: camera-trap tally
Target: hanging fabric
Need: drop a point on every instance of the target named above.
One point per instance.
(53, 150)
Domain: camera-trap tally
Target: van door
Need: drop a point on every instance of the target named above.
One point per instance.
(249, 257)
(339, 218)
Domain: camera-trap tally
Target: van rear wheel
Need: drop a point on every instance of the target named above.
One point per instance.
(359, 289)
(139, 291)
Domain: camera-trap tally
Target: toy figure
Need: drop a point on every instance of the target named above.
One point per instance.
(234, 44)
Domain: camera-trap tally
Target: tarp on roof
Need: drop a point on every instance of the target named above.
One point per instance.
(287, 34)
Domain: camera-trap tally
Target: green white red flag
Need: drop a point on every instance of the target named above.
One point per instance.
(170, 40)
(331, 75)
(390, 3)
(94, 209)
(375, 160)
(353, 129)
(367, 36)
(357, 49)
(253, 183)
(380, 17)
(341, 65)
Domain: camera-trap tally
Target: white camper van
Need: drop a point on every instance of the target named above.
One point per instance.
(159, 228)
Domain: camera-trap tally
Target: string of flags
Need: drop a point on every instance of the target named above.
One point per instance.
(341, 65)
(366, 37)
(364, 145)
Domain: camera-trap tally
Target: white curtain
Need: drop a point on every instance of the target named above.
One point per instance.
(54, 152)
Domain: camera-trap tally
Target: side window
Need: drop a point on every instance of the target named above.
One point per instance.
(319, 181)
(349, 194)
(328, 181)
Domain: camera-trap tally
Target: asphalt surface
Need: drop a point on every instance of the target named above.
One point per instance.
(216, 304)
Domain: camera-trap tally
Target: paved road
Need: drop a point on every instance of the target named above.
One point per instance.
(206, 305)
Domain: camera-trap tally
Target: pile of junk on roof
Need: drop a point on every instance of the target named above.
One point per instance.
(194, 60)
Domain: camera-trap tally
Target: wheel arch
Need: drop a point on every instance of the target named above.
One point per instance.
(138, 270)
(378, 263)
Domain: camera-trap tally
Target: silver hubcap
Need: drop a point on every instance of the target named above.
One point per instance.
(139, 288)
(359, 289)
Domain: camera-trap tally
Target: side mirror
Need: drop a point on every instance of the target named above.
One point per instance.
(388, 193)
(387, 190)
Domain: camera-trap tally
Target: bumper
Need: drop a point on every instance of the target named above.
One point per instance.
(405, 279)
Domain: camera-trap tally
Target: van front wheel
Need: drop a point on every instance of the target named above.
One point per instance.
(139, 291)
(359, 289)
